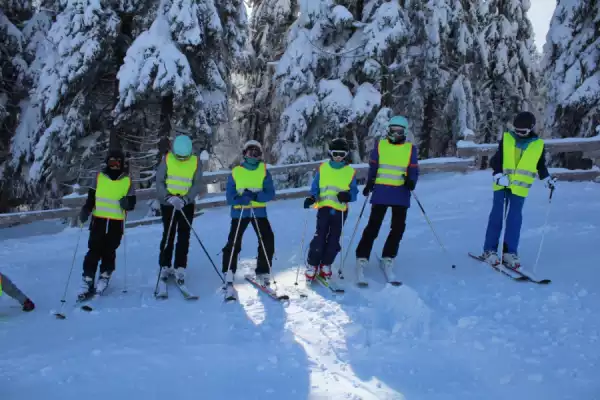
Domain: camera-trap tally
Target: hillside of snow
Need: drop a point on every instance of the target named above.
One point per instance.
(464, 333)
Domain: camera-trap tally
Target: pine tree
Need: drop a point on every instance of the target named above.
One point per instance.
(572, 69)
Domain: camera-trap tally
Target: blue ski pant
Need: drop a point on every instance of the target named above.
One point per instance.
(514, 220)
(325, 244)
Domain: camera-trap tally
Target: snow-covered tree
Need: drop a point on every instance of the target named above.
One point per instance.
(572, 69)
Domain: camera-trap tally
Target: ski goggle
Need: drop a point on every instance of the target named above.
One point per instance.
(523, 132)
(253, 152)
(182, 158)
(338, 153)
(396, 131)
(114, 163)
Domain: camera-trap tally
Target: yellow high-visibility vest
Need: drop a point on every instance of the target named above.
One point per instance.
(252, 180)
(331, 182)
(108, 194)
(394, 160)
(180, 174)
(520, 165)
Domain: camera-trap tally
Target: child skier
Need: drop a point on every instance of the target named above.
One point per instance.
(333, 187)
(178, 182)
(520, 155)
(112, 196)
(8, 287)
(393, 174)
(249, 188)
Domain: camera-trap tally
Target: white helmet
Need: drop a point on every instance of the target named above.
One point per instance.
(252, 143)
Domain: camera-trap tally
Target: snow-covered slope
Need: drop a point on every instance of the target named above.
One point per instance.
(464, 333)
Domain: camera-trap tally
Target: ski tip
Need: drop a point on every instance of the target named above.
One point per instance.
(87, 308)
(396, 283)
(362, 284)
(544, 281)
(339, 291)
(60, 316)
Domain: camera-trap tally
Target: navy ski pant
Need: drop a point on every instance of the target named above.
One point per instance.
(325, 245)
(513, 222)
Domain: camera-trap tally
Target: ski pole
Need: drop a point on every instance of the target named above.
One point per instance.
(302, 244)
(262, 244)
(504, 218)
(60, 314)
(202, 245)
(537, 259)
(340, 271)
(235, 238)
(431, 226)
(356, 226)
(167, 238)
(125, 255)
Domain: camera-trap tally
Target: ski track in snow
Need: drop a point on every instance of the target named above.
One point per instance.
(467, 333)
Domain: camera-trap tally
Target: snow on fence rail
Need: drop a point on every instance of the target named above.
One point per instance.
(468, 153)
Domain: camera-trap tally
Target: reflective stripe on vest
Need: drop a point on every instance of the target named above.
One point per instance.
(331, 182)
(180, 174)
(108, 194)
(393, 163)
(521, 170)
(252, 180)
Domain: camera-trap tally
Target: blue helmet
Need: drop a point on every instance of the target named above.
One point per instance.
(398, 120)
(182, 146)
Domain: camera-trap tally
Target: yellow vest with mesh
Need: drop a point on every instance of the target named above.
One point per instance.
(520, 165)
(331, 182)
(108, 194)
(252, 180)
(393, 163)
(180, 174)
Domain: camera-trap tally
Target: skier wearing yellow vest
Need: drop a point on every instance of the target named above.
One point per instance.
(519, 157)
(393, 174)
(108, 201)
(8, 287)
(178, 182)
(333, 187)
(249, 188)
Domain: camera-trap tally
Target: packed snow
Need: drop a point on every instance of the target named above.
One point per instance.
(464, 333)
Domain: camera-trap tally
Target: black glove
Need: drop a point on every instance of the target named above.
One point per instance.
(84, 214)
(410, 184)
(250, 194)
(309, 201)
(343, 197)
(124, 203)
(368, 188)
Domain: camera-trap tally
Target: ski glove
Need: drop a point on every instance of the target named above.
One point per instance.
(549, 182)
(84, 215)
(410, 184)
(502, 180)
(368, 188)
(242, 200)
(124, 203)
(177, 202)
(250, 194)
(343, 197)
(309, 201)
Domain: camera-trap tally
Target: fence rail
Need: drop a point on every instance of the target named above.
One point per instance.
(468, 153)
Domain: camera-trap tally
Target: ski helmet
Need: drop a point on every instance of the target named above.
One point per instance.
(252, 149)
(182, 147)
(397, 129)
(339, 147)
(524, 123)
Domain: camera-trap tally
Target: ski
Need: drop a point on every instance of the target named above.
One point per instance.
(326, 283)
(185, 291)
(392, 282)
(272, 293)
(230, 294)
(163, 290)
(518, 275)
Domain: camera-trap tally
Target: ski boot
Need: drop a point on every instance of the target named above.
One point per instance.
(86, 289)
(311, 272)
(229, 289)
(511, 260)
(387, 264)
(180, 276)
(28, 305)
(361, 263)
(103, 281)
(166, 273)
(325, 271)
(491, 257)
(263, 279)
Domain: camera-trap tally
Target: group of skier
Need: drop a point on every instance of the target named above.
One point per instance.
(393, 175)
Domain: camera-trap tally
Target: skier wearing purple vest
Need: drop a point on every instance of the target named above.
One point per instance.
(393, 173)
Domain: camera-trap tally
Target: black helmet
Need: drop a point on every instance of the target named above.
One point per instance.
(339, 148)
(524, 123)
(115, 160)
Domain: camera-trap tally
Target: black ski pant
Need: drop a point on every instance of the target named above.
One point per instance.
(261, 225)
(105, 239)
(180, 228)
(390, 249)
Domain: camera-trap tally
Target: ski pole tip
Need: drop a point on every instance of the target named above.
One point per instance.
(453, 265)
